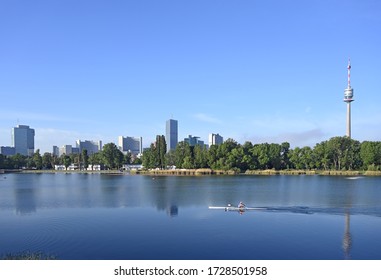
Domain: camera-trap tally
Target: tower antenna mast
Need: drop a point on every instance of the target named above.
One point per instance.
(349, 73)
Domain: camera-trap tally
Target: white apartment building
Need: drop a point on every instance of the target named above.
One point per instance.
(133, 145)
(215, 139)
(92, 147)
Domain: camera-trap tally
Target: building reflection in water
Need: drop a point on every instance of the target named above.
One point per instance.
(347, 238)
(173, 211)
(25, 201)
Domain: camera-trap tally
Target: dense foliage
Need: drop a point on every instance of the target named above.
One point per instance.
(155, 155)
(337, 153)
(110, 157)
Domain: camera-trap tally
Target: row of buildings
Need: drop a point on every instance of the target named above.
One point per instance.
(171, 137)
(23, 142)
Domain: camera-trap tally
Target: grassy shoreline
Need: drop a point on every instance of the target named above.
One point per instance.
(208, 171)
(269, 172)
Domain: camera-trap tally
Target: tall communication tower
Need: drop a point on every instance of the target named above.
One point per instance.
(348, 98)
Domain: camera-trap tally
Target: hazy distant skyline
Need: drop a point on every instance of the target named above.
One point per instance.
(260, 71)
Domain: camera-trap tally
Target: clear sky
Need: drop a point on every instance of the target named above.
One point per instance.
(251, 70)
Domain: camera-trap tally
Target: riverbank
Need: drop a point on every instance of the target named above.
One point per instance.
(351, 173)
(205, 171)
(208, 171)
(74, 171)
(185, 172)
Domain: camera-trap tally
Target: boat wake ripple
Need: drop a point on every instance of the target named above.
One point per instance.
(372, 211)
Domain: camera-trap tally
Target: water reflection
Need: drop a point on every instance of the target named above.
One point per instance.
(306, 195)
(25, 200)
(173, 211)
(351, 185)
(347, 238)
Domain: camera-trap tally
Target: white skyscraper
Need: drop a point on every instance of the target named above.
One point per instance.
(215, 139)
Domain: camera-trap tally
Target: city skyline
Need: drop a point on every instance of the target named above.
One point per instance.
(259, 71)
(124, 143)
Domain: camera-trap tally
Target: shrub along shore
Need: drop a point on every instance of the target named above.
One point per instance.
(208, 171)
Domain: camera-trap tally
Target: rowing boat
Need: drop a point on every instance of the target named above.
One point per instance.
(234, 208)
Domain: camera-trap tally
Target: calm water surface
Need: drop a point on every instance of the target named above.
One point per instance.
(98, 216)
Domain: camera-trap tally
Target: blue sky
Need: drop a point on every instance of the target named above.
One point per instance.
(260, 71)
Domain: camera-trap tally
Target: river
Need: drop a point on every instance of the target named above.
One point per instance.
(100, 216)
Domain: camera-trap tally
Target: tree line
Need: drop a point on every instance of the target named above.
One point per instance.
(110, 157)
(337, 153)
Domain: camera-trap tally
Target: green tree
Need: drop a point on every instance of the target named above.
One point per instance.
(200, 157)
(75, 159)
(95, 159)
(127, 158)
(344, 153)
(150, 159)
(212, 156)
(302, 158)
(222, 160)
(352, 156)
(37, 160)
(261, 153)
(182, 151)
(284, 155)
(226, 147)
(170, 158)
(17, 161)
(274, 154)
(146, 158)
(85, 159)
(112, 156)
(47, 161)
(235, 159)
(248, 159)
(161, 150)
(66, 160)
(137, 161)
(2, 161)
(295, 158)
(370, 153)
(321, 153)
(188, 163)
(55, 160)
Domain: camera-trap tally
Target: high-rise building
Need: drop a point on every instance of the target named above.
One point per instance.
(133, 145)
(171, 136)
(215, 139)
(66, 149)
(23, 140)
(56, 151)
(193, 141)
(92, 147)
(348, 98)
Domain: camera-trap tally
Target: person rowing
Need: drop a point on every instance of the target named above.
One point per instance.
(241, 205)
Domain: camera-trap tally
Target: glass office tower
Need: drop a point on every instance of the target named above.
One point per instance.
(171, 136)
(23, 140)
